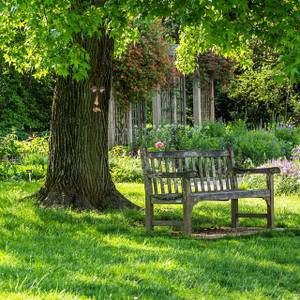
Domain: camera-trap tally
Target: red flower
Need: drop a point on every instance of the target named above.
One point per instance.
(159, 145)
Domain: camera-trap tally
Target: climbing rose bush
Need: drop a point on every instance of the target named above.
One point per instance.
(144, 66)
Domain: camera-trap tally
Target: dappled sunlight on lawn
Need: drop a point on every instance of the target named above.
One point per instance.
(60, 254)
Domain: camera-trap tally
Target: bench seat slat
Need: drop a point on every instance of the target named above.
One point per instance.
(231, 194)
(169, 197)
(167, 223)
(175, 171)
(242, 215)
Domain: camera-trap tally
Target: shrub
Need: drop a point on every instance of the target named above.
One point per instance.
(255, 146)
(8, 146)
(15, 171)
(126, 169)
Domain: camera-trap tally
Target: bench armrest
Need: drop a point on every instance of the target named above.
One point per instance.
(273, 170)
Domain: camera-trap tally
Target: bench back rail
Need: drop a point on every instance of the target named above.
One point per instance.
(208, 171)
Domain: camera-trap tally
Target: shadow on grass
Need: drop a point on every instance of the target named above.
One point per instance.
(109, 255)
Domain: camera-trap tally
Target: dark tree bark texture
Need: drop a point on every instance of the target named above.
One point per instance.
(78, 172)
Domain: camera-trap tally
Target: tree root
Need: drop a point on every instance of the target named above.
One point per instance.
(55, 197)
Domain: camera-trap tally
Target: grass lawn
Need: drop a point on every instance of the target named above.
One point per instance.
(62, 254)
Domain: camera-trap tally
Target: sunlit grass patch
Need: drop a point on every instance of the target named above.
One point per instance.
(62, 254)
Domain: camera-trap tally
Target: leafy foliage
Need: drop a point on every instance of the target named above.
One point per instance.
(250, 146)
(227, 27)
(49, 30)
(258, 95)
(25, 102)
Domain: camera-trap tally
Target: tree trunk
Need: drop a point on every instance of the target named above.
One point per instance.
(78, 172)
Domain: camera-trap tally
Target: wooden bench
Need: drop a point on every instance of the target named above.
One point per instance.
(187, 177)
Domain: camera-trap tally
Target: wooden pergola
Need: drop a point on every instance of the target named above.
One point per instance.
(169, 106)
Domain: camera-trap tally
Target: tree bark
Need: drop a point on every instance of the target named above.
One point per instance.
(78, 172)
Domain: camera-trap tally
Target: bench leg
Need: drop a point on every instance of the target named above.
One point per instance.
(149, 216)
(187, 217)
(270, 201)
(270, 211)
(234, 212)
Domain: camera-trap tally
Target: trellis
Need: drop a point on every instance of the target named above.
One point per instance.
(168, 107)
(203, 100)
(123, 119)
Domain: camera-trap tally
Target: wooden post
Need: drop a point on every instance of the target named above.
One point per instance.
(183, 100)
(111, 121)
(149, 212)
(197, 102)
(156, 108)
(212, 100)
(187, 206)
(130, 129)
(234, 185)
(174, 104)
(270, 203)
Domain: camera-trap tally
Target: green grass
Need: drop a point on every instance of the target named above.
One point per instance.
(62, 254)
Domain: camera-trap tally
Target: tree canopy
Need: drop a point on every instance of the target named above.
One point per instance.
(76, 40)
(43, 35)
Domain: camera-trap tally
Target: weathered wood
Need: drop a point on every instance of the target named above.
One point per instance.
(230, 165)
(188, 174)
(206, 172)
(154, 179)
(167, 223)
(234, 213)
(192, 153)
(244, 215)
(156, 108)
(167, 196)
(212, 99)
(273, 170)
(168, 179)
(175, 201)
(231, 194)
(214, 177)
(201, 174)
(130, 128)
(227, 182)
(220, 173)
(183, 97)
(270, 203)
(195, 179)
(174, 169)
(148, 192)
(197, 102)
(161, 181)
(187, 206)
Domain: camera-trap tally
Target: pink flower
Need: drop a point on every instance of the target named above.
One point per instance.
(159, 145)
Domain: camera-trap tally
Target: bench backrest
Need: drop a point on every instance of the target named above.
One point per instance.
(208, 171)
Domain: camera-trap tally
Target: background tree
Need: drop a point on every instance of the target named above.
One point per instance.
(257, 96)
(25, 102)
(76, 39)
(260, 92)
